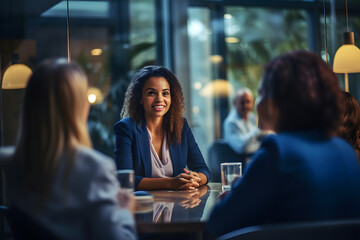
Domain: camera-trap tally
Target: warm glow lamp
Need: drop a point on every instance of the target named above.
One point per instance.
(16, 76)
(95, 95)
(217, 88)
(347, 57)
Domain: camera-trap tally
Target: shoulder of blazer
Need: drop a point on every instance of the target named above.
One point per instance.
(186, 126)
(131, 124)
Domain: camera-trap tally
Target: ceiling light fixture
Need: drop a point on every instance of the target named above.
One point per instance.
(347, 57)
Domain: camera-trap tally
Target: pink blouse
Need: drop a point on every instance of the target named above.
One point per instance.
(164, 167)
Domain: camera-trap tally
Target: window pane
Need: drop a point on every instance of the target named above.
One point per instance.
(201, 77)
(256, 35)
(334, 41)
(142, 33)
(124, 52)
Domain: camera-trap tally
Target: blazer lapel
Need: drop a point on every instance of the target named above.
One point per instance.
(144, 147)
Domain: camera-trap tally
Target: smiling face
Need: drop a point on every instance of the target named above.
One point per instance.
(156, 98)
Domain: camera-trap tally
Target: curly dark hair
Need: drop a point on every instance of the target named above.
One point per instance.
(306, 92)
(173, 120)
(351, 123)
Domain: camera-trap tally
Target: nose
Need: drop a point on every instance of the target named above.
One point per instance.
(158, 98)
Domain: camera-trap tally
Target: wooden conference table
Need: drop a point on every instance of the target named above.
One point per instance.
(174, 212)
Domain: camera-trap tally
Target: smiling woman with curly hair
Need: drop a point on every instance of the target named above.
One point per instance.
(154, 138)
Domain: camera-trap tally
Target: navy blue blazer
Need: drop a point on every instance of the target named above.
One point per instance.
(132, 150)
(295, 176)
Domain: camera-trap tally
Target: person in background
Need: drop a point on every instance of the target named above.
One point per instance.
(240, 128)
(154, 139)
(303, 172)
(350, 129)
(54, 176)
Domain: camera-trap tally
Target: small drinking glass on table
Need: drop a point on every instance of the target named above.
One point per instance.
(126, 180)
(229, 173)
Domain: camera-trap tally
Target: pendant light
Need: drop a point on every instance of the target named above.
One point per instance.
(16, 75)
(325, 33)
(347, 57)
(67, 30)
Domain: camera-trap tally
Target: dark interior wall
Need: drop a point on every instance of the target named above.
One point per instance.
(19, 25)
(11, 29)
(11, 105)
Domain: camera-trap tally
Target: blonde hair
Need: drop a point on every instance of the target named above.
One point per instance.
(53, 121)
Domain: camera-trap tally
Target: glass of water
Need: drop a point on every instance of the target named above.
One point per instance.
(126, 179)
(229, 172)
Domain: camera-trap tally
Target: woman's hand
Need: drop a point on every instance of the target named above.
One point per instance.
(190, 203)
(223, 194)
(194, 175)
(191, 198)
(183, 181)
(199, 177)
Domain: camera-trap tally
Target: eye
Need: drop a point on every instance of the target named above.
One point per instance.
(167, 93)
(150, 93)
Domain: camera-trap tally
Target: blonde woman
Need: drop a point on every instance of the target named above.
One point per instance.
(55, 177)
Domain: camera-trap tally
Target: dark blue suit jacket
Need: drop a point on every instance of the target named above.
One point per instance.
(295, 176)
(132, 150)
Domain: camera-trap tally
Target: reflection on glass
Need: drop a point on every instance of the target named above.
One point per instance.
(174, 206)
(216, 59)
(227, 16)
(217, 88)
(334, 41)
(261, 35)
(232, 40)
(102, 49)
(162, 212)
(202, 62)
(142, 34)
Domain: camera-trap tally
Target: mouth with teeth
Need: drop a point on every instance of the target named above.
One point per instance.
(159, 107)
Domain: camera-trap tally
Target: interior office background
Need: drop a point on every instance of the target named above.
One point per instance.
(213, 46)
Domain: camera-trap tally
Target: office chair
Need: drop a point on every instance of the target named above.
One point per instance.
(5, 232)
(220, 152)
(340, 229)
(23, 226)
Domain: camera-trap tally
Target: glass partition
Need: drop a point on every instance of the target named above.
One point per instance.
(334, 41)
(109, 39)
(201, 76)
(112, 39)
(256, 35)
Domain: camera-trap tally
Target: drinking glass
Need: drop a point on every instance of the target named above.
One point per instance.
(229, 172)
(126, 179)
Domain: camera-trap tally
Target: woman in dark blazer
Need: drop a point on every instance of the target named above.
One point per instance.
(304, 172)
(155, 139)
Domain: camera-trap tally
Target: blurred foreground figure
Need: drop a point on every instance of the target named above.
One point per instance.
(54, 177)
(303, 172)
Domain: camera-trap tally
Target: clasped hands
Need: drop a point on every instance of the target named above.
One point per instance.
(188, 180)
